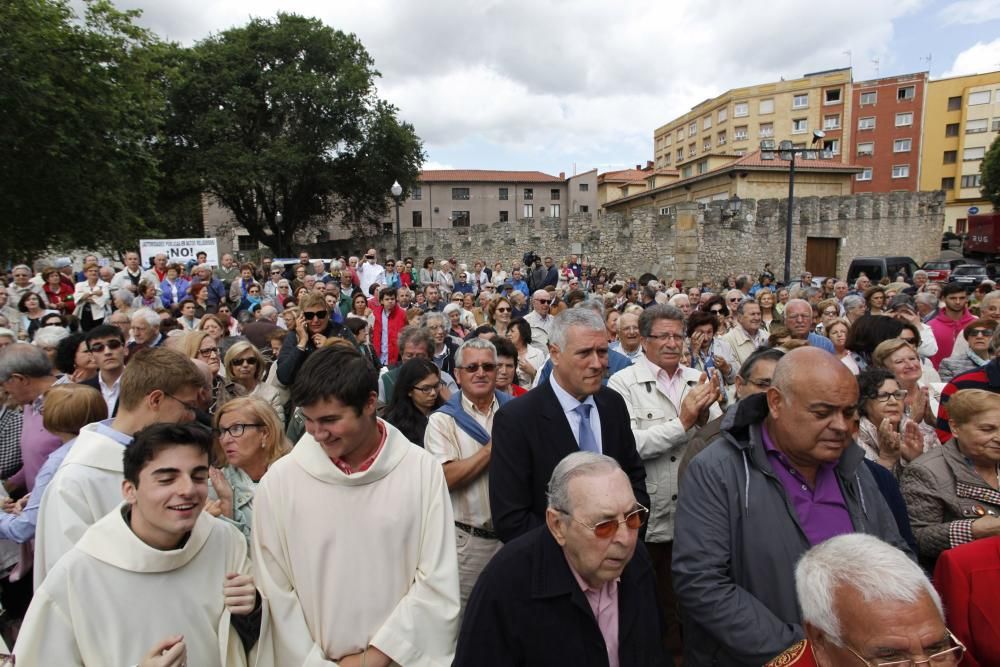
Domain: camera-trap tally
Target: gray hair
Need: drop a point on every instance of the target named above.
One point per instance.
(268, 312)
(150, 316)
(988, 297)
(125, 297)
(741, 306)
(875, 569)
(919, 273)
(593, 304)
(431, 316)
(733, 293)
(929, 299)
(474, 344)
(50, 336)
(416, 335)
(572, 466)
(452, 308)
(574, 317)
(24, 359)
(852, 301)
(653, 314)
(7, 333)
(677, 298)
(277, 265)
(24, 267)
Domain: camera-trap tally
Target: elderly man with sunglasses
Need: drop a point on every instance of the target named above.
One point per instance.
(578, 590)
(539, 318)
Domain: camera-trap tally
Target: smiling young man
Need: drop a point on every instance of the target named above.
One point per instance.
(353, 535)
(157, 540)
(158, 386)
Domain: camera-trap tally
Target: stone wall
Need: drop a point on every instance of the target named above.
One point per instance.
(691, 243)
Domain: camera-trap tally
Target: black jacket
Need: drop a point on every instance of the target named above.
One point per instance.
(291, 358)
(530, 436)
(527, 609)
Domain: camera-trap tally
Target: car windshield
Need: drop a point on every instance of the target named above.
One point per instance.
(971, 271)
(936, 266)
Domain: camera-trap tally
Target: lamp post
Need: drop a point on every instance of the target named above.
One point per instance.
(277, 230)
(397, 190)
(787, 151)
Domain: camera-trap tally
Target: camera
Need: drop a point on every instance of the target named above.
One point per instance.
(530, 258)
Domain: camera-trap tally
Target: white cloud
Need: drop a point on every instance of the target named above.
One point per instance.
(978, 58)
(970, 12)
(431, 164)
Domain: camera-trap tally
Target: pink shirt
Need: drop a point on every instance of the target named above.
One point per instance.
(604, 603)
(672, 386)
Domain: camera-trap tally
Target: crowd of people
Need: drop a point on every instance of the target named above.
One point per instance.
(358, 462)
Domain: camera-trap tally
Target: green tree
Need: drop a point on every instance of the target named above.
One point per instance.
(990, 174)
(80, 103)
(282, 116)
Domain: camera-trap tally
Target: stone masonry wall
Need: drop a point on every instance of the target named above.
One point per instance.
(691, 243)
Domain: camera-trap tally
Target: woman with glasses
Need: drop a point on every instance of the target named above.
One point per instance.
(244, 365)
(829, 312)
(979, 335)
(901, 358)
(885, 433)
(953, 491)
(248, 439)
(499, 314)
(199, 345)
(415, 396)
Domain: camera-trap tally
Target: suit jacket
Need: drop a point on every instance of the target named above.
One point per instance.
(530, 436)
(527, 609)
(968, 578)
(96, 384)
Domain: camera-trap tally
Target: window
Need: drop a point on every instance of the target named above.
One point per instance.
(585, 187)
(900, 171)
(981, 97)
(418, 219)
(865, 175)
(246, 243)
(504, 216)
(691, 150)
(741, 109)
(976, 153)
(906, 93)
(703, 166)
(995, 127)
(766, 106)
(459, 218)
(866, 123)
(767, 129)
(686, 172)
(387, 228)
(693, 128)
(722, 138)
(971, 181)
(866, 148)
(905, 118)
(955, 103)
(529, 211)
(706, 144)
(800, 125)
(706, 122)
(902, 145)
(948, 183)
(680, 134)
(831, 122)
(680, 154)
(740, 133)
(554, 194)
(723, 114)
(949, 157)
(951, 130)
(667, 140)
(418, 193)
(529, 193)
(502, 194)
(976, 126)
(869, 98)
(555, 211)
(832, 146)
(831, 96)
(666, 159)
(584, 209)
(800, 101)
(459, 193)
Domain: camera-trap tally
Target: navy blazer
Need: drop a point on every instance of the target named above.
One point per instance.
(96, 384)
(530, 436)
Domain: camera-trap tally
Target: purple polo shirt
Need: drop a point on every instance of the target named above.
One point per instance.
(822, 511)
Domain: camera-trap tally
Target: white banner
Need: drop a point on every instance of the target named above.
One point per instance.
(178, 250)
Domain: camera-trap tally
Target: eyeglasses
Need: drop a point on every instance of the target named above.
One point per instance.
(763, 383)
(275, 273)
(980, 332)
(831, 313)
(245, 362)
(208, 352)
(190, 407)
(605, 530)
(474, 368)
(112, 344)
(715, 311)
(309, 315)
(949, 656)
(800, 316)
(427, 388)
(736, 300)
(236, 430)
(502, 310)
(543, 300)
(669, 337)
(884, 396)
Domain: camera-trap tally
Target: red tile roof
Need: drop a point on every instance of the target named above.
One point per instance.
(754, 160)
(486, 176)
(624, 176)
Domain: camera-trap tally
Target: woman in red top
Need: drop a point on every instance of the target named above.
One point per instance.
(507, 367)
(58, 293)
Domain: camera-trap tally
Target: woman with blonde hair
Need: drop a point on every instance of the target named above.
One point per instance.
(499, 314)
(900, 357)
(212, 325)
(248, 438)
(244, 365)
(199, 345)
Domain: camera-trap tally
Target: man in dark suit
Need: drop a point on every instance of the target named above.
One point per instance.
(532, 434)
(107, 343)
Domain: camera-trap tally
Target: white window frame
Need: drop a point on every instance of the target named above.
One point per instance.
(796, 98)
(864, 124)
(979, 97)
(977, 125)
(741, 110)
(723, 114)
(900, 171)
(870, 151)
(706, 122)
(835, 125)
(906, 98)
(529, 211)
(864, 175)
(800, 125)
(741, 133)
(766, 130)
(974, 149)
(840, 95)
(555, 211)
(692, 128)
(897, 143)
(901, 119)
(722, 138)
(834, 146)
(874, 98)
(706, 144)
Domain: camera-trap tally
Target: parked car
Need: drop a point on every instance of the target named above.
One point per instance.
(878, 267)
(970, 275)
(938, 270)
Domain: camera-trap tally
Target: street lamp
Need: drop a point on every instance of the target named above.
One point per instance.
(732, 206)
(787, 151)
(277, 230)
(396, 191)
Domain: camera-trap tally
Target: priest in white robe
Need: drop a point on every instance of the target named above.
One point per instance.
(353, 535)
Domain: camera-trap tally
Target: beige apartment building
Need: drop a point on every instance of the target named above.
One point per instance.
(735, 122)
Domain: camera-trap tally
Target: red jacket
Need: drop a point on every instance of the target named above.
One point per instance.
(968, 579)
(397, 320)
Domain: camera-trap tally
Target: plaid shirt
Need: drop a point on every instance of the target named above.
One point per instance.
(10, 441)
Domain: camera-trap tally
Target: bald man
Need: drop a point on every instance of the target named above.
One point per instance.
(785, 474)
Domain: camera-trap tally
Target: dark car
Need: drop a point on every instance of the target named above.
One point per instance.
(970, 275)
(938, 270)
(877, 268)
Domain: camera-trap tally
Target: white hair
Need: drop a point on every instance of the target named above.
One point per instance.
(7, 333)
(877, 570)
(679, 298)
(474, 344)
(574, 317)
(572, 466)
(151, 317)
(49, 336)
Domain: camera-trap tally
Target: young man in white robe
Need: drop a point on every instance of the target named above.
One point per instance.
(353, 535)
(156, 582)
(158, 386)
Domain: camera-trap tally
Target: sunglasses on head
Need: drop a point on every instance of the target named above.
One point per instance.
(309, 315)
(112, 344)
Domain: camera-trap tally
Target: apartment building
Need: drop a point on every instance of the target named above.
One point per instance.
(961, 120)
(888, 122)
(735, 122)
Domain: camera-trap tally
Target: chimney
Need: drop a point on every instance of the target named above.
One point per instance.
(638, 167)
(562, 175)
(649, 164)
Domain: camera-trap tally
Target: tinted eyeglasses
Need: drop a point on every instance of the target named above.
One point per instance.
(113, 344)
(980, 332)
(474, 368)
(310, 315)
(605, 530)
(208, 352)
(502, 310)
(245, 362)
(715, 311)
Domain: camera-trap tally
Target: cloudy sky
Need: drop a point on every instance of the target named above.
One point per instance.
(560, 85)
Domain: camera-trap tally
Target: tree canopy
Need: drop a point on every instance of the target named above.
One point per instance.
(990, 174)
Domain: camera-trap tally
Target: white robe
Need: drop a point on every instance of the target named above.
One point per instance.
(348, 560)
(86, 487)
(113, 597)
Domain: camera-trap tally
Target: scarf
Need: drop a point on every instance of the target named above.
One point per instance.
(453, 408)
